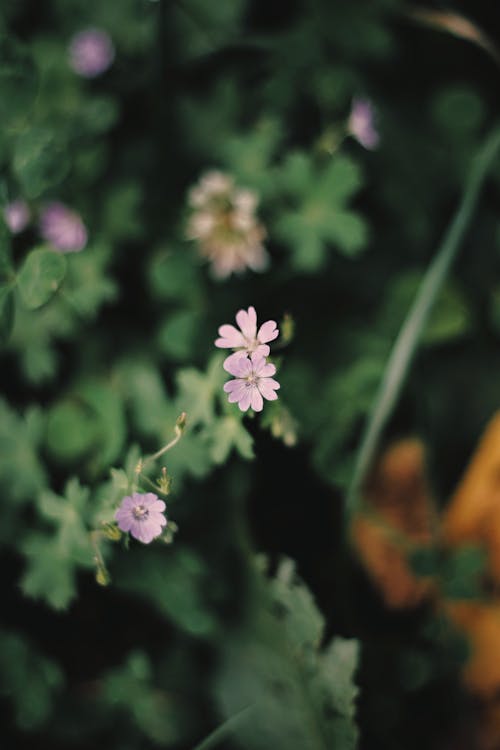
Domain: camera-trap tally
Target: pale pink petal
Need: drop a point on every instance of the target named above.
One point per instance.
(124, 518)
(241, 367)
(233, 362)
(246, 399)
(230, 337)
(257, 362)
(262, 350)
(238, 393)
(247, 321)
(157, 519)
(256, 402)
(232, 385)
(267, 371)
(157, 507)
(128, 503)
(267, 387)
(268, 331)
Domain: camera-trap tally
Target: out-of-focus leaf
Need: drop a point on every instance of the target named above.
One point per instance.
(40, 160)
(40, 276)
(18, 82)
(28, 679)
(228, 432)
(175, 585)
(177, 337)
(320, 215)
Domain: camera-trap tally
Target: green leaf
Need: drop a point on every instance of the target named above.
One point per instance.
(226, 434)
(28, 680)
(40, 160)
(49, 575)
(18, 82)
(7, 311)
(40, 276)
(72, 431)
(178, 336)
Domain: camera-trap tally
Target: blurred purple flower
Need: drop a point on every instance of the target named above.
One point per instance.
(246, 340)
(63, 228)
(91, 52)
(16, 215)
(252, 382)
(361, 123)
(142, 515)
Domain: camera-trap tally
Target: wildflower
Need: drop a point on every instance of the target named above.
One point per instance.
(252, 382)
(224, 224)
(63, 228)
(16, 215)
(91, 52)
(361, 123)
(142, 515)
(246, 340)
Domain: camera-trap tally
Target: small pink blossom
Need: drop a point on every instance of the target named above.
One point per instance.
(361, 123)
(63, 228)
(252, 382)
(142, 515)
(16, 215)
(246, 340)
(91, 52)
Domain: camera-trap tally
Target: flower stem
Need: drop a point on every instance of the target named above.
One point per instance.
(406, 343)
(223, 730)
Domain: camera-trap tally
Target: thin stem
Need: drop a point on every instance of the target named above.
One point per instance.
(224, 730)
(406, 343)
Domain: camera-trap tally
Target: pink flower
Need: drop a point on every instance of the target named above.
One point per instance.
(252, 382)
(63, 228)
(91, 52)
(16, 215)
(361, 123)
(142, 515)
(246, 340)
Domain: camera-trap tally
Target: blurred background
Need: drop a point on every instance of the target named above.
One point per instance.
(165, 164)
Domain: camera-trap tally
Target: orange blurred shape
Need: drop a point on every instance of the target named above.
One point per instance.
(481, 624)
(397, 518)
(473, 513)
(455, 24)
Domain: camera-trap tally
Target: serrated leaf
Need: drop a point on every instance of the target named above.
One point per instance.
(40, 277)
(226, 434)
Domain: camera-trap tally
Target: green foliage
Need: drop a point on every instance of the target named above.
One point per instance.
(295, 691)
(40, 276)
(28, 679)
(320, 214)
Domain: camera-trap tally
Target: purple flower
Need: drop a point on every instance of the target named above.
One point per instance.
(246, 340)
(91, 52)
(361, 123)
(252, 382)
(142, 515)
(16, 215)
(63, 228)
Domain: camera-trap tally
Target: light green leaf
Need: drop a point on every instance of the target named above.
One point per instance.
(40, 276)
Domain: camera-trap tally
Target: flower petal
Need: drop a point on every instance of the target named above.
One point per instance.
(268, 331)
(267, 371)
(232, 363)
(244, 402)
(256, 401)
(230, 337)
(124, 518)
(268, 388)
(238, 393)
(247, 321)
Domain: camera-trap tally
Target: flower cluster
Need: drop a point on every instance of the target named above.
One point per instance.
(224, 224)
(253, 379)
